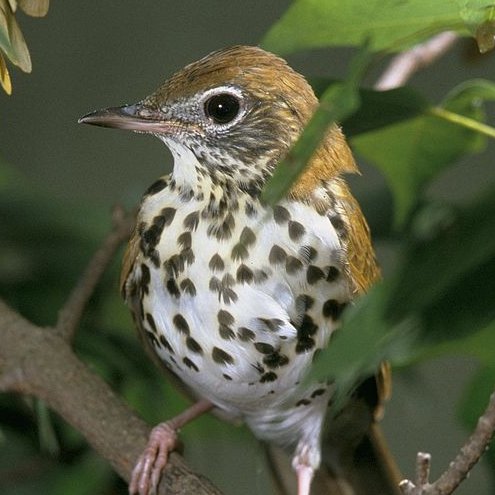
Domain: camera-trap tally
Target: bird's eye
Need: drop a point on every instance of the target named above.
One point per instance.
(222, 108)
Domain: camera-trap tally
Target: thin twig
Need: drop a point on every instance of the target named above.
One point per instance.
(404, 65)
(470, 453)
(460, 467)
(71, 313)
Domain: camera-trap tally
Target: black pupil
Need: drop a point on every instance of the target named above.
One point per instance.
(222, 108)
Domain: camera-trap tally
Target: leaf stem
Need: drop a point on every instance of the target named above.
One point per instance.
(463, 121)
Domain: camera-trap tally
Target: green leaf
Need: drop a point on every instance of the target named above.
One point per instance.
(388, 24)
(35, 8)
(337, 102)
(412, 152)
(458, 248)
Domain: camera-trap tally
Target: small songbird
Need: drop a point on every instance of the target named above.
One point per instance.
(235, 297)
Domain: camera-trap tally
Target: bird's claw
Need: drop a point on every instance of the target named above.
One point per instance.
(151, 463)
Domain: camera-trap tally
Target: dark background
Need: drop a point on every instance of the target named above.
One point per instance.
(88, 55)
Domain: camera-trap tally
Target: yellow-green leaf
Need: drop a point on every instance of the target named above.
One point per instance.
(35, 8)
(388, 24)
(19, 54)
(4, 76)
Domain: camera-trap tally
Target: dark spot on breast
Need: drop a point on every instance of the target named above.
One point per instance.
(191, 221)
(277, 255)
(166, 343)
(221, 357)
(247, 237)
(338, 223)
(216, 263)
(190, 364)
(314, 274)
(250, 210)
(245, 334)
(296, 230)
(271, 324)
(304, 302)
(275, 360)
(280, 214)
(333, 274)
(308, 253)
(305, 331)
(188, 287)
(308, 326)
(193, 345)
(333, 309)
(268, 377)
(186, 195)
(145, 278)
(293, 265)
(239, 252)
(227, 377)
(172, 288)
(151, 322)
(260, 276)
(304, 344)
(225, 318)
(156, 187)
(188, 256)
(244, 274)
(264, 348)
(152, 338)
(174, 265)
(303, 402)
(317, 392)
(181, 324)
(185, 240)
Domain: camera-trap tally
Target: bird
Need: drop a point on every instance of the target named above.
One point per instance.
(233, 296)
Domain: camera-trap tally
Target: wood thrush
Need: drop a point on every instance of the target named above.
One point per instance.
(235, 297)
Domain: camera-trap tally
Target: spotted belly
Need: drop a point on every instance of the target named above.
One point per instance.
(238, 308)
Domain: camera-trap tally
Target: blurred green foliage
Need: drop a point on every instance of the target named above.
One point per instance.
(438, 300)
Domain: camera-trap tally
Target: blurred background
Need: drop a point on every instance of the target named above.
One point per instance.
(59, 180)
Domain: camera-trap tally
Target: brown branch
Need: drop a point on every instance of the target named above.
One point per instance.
(39, 362)
(460, 467)
(403, 66)
(71, 313)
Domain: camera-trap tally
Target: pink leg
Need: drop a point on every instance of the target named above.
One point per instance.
(163, 439)
(304, 478)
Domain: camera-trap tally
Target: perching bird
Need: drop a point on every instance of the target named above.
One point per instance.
(235, 297)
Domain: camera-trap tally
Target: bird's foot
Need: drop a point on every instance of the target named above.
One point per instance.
(151, 463)
(163, 439)
(303, 464)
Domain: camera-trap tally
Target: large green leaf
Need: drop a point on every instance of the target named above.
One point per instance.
(412, 152)
(387, 23)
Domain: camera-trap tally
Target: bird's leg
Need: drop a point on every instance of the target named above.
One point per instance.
(304, 478)
(304, 468)
(163, 439)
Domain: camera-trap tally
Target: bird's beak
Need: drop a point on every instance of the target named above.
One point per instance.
(130, 117)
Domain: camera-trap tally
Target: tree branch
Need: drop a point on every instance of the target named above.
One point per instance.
(39, 362)
(72, 311)
(460, 467)
(403, 66)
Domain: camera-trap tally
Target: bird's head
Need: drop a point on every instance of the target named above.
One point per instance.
(237, 111)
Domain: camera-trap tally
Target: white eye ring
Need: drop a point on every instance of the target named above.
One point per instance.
(223, 106)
